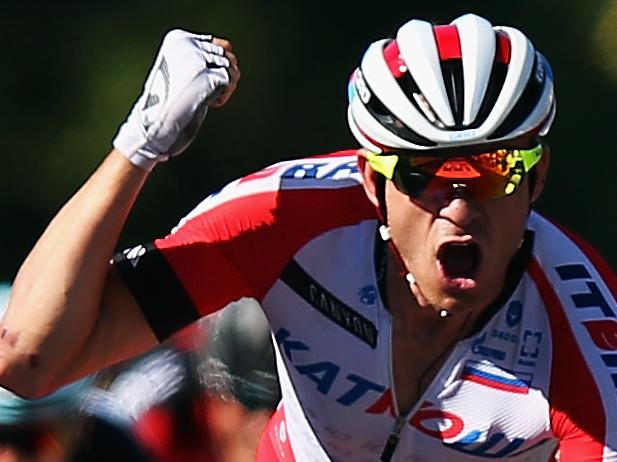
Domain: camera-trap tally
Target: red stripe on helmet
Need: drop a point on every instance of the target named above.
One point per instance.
(394, 60)
(448, 42)
(503, 48)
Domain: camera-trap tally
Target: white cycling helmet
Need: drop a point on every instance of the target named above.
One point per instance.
(448, 86)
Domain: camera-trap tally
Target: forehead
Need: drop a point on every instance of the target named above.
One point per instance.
(465, 151)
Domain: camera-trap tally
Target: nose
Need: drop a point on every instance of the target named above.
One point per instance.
(459, 207)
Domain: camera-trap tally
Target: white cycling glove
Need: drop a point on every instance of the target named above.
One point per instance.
(189, 73)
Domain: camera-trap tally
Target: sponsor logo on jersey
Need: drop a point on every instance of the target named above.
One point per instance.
(480, 349)
(484, 373)
(530, 348)
(327, 304)
(514, 313)
(452, 430)
(598, 313)
(446, 425)
(368, 294)
(593, 297)
(349, 389)
(326, 373)
(504, 335)
(321, 171)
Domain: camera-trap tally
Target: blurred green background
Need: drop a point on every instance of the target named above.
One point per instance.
(71, 71)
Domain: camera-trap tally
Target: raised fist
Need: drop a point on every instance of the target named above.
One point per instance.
(190, 73)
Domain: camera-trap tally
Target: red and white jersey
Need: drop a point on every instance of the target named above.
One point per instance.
(540, 374)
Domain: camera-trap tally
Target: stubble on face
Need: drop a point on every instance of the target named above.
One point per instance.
(425, 234)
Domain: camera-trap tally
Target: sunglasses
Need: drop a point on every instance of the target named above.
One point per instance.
(483, 176)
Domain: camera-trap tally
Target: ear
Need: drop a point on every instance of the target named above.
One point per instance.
(541, 171)
(369, 179)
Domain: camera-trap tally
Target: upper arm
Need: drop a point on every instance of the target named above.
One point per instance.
(121, 331)
(43, 350)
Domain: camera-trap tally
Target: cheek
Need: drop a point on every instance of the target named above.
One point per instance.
(403, 214)
(409, 223)
(509, 217)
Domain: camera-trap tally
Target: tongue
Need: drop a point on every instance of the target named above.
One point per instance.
(459, 260)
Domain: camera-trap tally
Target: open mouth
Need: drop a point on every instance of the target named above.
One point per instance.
(459, 261)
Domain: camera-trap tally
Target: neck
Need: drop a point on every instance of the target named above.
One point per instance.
(421, 339)
(422, 321)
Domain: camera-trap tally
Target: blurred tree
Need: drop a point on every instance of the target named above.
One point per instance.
(73, 69)
(605, 41)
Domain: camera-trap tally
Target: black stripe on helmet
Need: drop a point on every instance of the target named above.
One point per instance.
(528, 100)
(452, 71)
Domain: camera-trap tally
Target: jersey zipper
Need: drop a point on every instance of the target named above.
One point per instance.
(399, 422)
(392, 441)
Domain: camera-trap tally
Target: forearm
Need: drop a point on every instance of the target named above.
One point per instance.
(69, 313)
(57, 293)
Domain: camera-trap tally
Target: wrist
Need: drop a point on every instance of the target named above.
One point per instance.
(130, 141)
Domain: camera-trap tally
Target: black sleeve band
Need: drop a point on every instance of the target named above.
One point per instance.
(163, 300)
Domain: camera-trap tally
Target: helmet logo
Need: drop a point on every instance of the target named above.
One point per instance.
(539, 72)
(361, 87)
(463, 135)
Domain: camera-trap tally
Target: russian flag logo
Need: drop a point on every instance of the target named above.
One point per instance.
(496, 378)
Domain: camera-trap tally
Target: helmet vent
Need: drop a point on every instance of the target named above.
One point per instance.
(495, 84)
(380, 112)
(452, 71)
(426, 109)
(527, 102)
(415, 96)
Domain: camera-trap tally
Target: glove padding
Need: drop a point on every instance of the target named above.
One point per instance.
(189, 73)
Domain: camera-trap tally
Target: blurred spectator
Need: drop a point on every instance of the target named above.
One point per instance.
(237, 368)
(239, 355)
(203, 396)
(153, 382)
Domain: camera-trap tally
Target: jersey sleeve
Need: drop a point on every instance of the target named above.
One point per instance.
(237, 242)
(579, 292)
(220, 253)
(577, 445)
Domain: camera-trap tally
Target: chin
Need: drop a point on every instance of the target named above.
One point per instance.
(455, 300)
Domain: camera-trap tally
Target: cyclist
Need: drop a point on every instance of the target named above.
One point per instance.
(421, 310)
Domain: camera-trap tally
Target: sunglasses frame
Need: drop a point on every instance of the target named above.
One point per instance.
(389, 165)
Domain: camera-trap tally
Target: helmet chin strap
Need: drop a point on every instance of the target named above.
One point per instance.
(384, 233)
